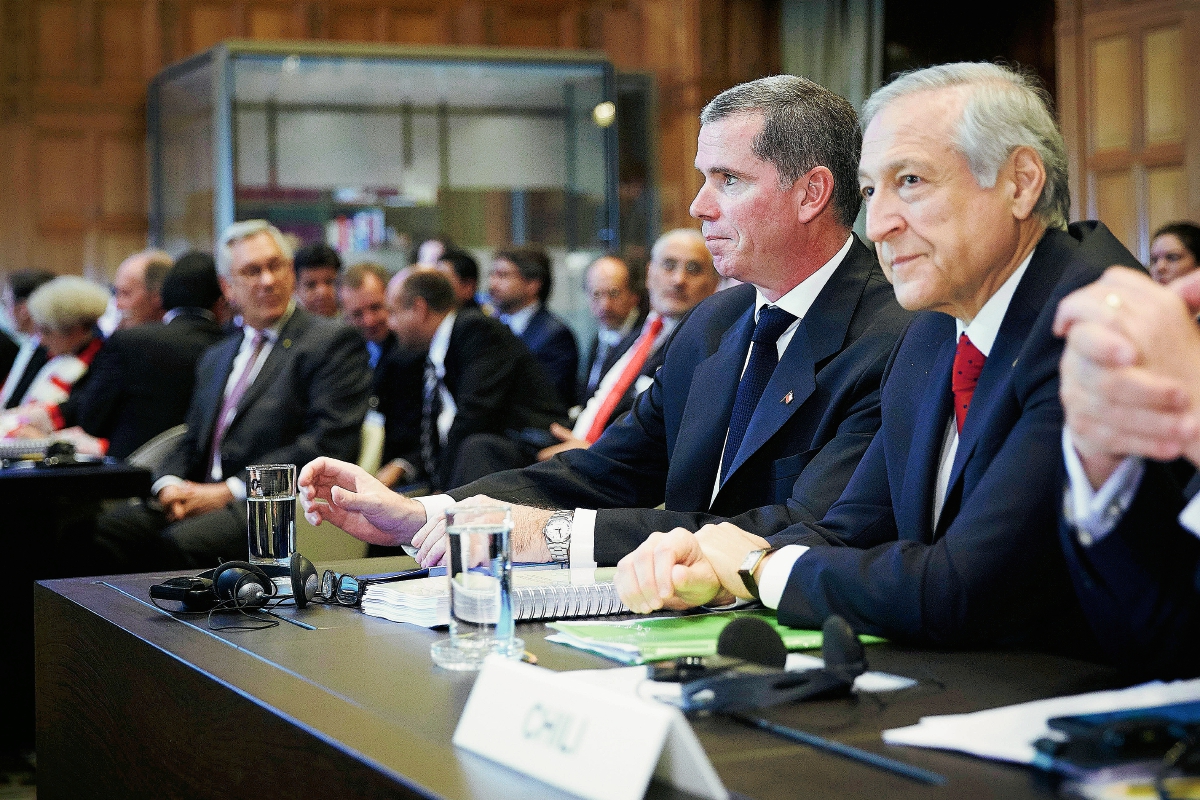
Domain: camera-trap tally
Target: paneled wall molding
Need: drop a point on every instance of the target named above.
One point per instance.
(73, 76)
(1127, 85)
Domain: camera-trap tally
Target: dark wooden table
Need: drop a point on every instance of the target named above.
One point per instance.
(135, 703)
(39, 503)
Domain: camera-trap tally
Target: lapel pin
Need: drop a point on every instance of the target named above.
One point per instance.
(787, 399)
(287, 343)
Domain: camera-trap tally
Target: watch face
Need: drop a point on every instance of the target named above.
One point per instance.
(752, 559)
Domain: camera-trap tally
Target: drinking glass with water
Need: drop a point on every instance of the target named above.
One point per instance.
(479, 570)
(271, 517)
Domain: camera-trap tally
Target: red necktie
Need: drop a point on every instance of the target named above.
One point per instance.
(633, 367)
(968, 363)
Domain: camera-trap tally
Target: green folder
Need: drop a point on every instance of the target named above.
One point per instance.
(637, 641)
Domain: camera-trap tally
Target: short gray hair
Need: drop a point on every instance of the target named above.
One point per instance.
(244, 230)
(67, 301)
(694, 235)
(1004, 110)
(805, 126)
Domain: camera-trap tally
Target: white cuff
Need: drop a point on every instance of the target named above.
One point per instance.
(583, 539)
(164, 482)
(1190, 516)
(435, 506)
(775, 573)
(1095, 513)
(237, 488)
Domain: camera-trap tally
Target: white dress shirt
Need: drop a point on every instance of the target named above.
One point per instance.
(982, 332)
(518, 321)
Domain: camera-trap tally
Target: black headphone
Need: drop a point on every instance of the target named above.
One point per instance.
(238, 585)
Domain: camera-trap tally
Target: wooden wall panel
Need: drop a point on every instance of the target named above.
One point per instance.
(62, 168)
(1162, 91)
(73, 75)
(417, 27)
(1166, 197)
(1112, 93)
(121, 49)
(58, 25)
(123, 177)
(1134, 146)
(209, 24)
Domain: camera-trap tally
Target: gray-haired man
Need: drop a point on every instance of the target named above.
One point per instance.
(947, 532)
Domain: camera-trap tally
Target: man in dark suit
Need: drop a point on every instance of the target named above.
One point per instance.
(679, 276)
(142, 380)
(519, 286)
(947, 532)
(1130, 380)
(479, 378)
(290, 387)
(397, 372)
(614, 298)
(777, 208)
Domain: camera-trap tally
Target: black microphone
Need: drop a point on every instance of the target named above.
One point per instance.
(753, 639)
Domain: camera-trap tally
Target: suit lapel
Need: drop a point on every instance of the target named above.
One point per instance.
(271, 368)
(705, 419)
(1037, 284)
(214, 389)
(929, 431)
(819, 335)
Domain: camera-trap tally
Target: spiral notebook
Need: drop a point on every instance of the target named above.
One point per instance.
(537, 594)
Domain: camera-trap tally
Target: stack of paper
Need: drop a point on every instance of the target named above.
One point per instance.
(424, 602)
(1008, 733)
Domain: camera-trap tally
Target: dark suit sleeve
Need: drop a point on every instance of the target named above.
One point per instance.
(186, 459)
(982, 580)
(337, 396)
(94, 406)
(1137, 585)
(560, 357)
(626, 467)
(820, 476)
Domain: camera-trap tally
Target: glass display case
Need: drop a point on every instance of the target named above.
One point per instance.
(376, 148)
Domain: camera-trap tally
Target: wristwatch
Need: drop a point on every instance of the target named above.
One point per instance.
(557, 531)
(746, 571)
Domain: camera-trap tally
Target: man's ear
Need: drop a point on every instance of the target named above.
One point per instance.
(813, 192)
(1026, 176)
(226, 290)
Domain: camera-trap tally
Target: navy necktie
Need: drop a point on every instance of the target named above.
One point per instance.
(772, 322)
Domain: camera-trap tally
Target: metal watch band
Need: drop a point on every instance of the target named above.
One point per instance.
(557, 531)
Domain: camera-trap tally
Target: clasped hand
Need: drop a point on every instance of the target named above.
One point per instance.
(678, 569)
(1130, 371)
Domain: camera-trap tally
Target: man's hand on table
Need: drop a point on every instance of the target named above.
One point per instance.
(185, 500)
(1130, 371)
(528, 541)
(350, 498)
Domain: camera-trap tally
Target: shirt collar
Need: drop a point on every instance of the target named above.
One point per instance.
(440, 343)
(518, 321)
(273, 330)
(611, 336)
(983, 329)
(190, 311)
(799, 300)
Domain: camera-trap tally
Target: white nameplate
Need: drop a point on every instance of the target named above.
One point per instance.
(581, 737)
